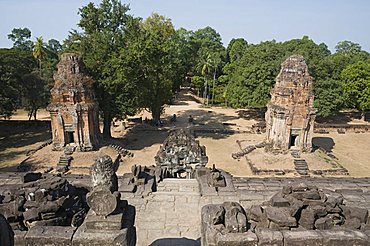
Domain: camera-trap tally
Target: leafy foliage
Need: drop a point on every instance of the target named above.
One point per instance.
(356, 85)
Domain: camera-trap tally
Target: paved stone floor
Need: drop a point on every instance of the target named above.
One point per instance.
(171, 216)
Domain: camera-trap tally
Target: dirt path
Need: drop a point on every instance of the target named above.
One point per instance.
(144, 141)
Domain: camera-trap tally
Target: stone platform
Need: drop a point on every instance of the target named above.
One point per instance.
(172, 214)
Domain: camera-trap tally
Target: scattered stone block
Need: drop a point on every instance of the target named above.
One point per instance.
(19, 238)
(280, 216)
(279, 201)
(355, 212)
(30, 177)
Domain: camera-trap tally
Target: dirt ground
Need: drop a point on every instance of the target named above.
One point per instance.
(144, 140)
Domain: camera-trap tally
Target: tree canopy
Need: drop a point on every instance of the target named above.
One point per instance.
(140, 64)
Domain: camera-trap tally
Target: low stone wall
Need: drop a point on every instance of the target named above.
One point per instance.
(267, 237)
(340, 128)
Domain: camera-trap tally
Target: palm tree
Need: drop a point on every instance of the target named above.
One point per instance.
(39, 51)
(216, 60)
(206, 69)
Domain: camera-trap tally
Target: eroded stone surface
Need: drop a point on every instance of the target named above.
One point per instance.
(180, 154)
(290, 114)
(73, 108)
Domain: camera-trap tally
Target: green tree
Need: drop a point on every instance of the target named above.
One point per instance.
(182, 56)
(21, 38)
(107, 29)
(235, 49)
(35, 92)
(347, 47)
(14, 64)
(209, 56)
(356, 85)
(39, 52)
(157, 63)
(54, 45)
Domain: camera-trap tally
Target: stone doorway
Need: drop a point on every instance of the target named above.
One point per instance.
(69, 138)
(294, 138)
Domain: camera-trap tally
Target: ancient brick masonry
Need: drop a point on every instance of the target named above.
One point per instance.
(73, 108)
(290, 114)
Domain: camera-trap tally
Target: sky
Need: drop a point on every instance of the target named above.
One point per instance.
(328, 21)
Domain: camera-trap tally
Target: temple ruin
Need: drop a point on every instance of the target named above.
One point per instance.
(290, 114)
(181, 154)
(73, 108)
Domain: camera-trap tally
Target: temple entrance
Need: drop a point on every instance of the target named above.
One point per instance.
(294, 136)
(293, 139)
(69, 137)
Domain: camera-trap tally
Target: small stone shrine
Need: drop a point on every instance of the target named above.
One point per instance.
(180, 154)
(73, 108)
(290, 114)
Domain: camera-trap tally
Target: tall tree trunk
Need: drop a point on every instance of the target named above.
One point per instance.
(34, 113)
(107, 125)
(30, 114)
(205, 91)
(363, 115)
(213, 89)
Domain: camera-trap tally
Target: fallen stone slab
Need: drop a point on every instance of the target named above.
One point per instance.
(30, 177)
(123, 237)
(237, 239)
(344, 237)
(49, 235)
(267, 237)
(302, 238)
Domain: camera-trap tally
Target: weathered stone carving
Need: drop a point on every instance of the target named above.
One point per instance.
(104, 223)
(181, 153)
(215, 178)
(290, 114)
(221, 220)
(103, 173)
(103, 198)
(73, 108)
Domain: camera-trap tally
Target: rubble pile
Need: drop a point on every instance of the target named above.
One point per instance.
(181, 154)
(43, 201)
(306, 207)
(142, 180)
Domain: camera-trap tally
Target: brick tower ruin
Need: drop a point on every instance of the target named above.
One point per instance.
(73, 108)
(290, 114)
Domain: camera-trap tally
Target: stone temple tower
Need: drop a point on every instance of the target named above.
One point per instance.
(290, 114)
(73, 108)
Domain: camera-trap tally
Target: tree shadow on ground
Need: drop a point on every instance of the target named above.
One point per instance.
(257, 114)
(17, 134)
(140, 137)
(343, 118)
(326, 143)
(176, 241)
(209, 123)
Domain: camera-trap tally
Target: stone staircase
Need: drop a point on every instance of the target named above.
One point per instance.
(301, 167)
(64, 163)
(122, 151)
